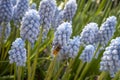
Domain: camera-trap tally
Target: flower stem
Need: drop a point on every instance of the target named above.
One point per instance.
(28, 62)
(19, 71)
(81, 65)
(51, 69)
(103, 75)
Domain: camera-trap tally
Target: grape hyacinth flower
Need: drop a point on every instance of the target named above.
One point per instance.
(7, 31)
(30, 26)
(107, 30)
(62, 34)
(73, 46)
(33, 6)
(58, 19)
(70, 9)
(46, 11)
(87, 53)
(89, 34)
(6, 10)
(17, 54)
(110, 61)
(20, 9)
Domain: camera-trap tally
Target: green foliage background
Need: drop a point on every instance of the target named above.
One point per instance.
(40, 66)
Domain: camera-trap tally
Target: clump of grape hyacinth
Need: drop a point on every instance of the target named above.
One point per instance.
(73, 46)
(70, 9)
(46, 11)
(20, 9)
(87, 53)
(30, 26)
(107, 30)
(6, 10)
(89, 34)
(110, 61)
(7, 31)
(17, 54)
(33, 6)
(62, 34)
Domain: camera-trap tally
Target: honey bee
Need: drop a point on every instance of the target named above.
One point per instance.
(56, 50)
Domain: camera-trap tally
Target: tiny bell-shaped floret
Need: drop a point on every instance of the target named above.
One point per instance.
(110, 61)
(107, 30)
(30, 26)
(62, 34)
(70, 10)
(17, 53)
(6, 10)
(73, 47)
(33, 6)
(14, 2)
(87, 53)
(89, 34)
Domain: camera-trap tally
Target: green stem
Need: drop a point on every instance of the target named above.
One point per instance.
(19, 71)
(2, 40)
(28, 62)
(11, 69)
(6, 52)
(43, 58)
(84, 71)
(65, 77)
(15, 71)
(103, 76)
(81, 65)
(59, 71)
(50, 70)
(4, 61)
(10, 77)
(34, 66)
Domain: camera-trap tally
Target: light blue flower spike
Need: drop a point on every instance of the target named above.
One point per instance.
(17, 53)
(30, 26)
(107, 30)
(70, 10)
(87, 53)
(6, 10)
(110, 61)
(89, 34)
(46, 11)
(62, 34)
(20, 9)
(58, 18)
(73, 46)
